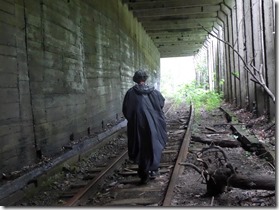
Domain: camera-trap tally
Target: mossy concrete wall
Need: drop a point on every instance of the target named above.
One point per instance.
(65, 67)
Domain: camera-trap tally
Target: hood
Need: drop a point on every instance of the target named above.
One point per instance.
(143, 89)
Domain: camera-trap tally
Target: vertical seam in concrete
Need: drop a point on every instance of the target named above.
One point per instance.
(264, 42)
(245, 55)
(29, 79)
(18, 81)
(237, 41)
(253, 48)
(218, 51)
(42, 24)
(262, 27)
(119, 43)
(263, 46)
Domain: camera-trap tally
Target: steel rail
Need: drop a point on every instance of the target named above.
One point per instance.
(182, 154)
(74, 200)
(81, 195)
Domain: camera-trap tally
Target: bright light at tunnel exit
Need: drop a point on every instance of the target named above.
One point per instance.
(175, 72)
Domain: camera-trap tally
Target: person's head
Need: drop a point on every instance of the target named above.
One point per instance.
(140, 76)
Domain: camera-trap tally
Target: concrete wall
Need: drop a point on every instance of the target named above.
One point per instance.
(65, 67)
(249, 27)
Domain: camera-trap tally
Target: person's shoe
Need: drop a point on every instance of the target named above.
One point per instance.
(144, 181)
(144, 177)
(153, 174)
(131, 161)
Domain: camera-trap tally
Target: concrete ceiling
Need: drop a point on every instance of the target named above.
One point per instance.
(175, 25)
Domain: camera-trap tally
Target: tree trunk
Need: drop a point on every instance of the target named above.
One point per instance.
(223, 177)
(253, 182)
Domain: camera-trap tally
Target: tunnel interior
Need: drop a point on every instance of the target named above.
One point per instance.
(66, 65)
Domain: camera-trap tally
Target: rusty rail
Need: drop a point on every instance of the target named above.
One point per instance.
(88, 189)
(181, 156)
(82, 193)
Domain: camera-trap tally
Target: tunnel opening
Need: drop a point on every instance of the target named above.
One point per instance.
(188, 80)
(176, 72)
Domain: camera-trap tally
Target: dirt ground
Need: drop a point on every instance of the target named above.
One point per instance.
(191, 192)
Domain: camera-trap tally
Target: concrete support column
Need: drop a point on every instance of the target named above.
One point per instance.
(227, 80)
(249, 50)
(269, 55)
(231, 81)
(258, 53)
(243, 74)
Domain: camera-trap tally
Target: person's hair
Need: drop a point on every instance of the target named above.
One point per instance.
(140, 76)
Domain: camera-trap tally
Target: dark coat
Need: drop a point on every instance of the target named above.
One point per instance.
(146, 128)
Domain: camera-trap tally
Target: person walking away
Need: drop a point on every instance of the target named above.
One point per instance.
(146, 127)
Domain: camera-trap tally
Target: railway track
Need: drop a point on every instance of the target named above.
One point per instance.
(107, 178)
(117, 184)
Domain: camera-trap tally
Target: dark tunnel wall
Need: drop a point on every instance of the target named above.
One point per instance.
(65, 66)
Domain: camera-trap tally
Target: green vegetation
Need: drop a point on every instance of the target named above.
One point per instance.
(222, 82)
(236, 74)
(199, 92)
(199, 97)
